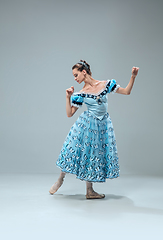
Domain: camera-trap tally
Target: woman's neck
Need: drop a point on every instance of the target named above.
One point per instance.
(89, 82)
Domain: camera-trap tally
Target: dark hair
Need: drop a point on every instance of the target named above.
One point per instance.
(82, 65)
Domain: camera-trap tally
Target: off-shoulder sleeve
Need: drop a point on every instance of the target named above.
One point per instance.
(76, 100)
(112, 86)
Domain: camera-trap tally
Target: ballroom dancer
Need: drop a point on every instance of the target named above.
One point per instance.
(90, 150)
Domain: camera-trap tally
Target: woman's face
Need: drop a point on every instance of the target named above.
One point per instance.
(79, 76)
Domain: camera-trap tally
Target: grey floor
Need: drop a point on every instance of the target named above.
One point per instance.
(132, 209)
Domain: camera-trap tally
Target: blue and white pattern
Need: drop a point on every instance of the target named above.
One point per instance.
(90, 150)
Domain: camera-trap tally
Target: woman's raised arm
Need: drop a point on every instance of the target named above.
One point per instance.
(127, 90)
(70, 110)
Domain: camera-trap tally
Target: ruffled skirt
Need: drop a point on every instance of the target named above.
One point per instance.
(90, 150)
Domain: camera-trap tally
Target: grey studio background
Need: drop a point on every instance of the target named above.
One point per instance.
(41, 41)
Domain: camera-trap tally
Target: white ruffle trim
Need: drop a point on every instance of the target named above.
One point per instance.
(114, 91)
(75, 105)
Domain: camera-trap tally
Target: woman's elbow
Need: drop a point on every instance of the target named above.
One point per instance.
(127, 92)
(69, 115)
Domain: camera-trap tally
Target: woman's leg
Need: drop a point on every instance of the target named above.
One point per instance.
(57, 184)
(91, 194)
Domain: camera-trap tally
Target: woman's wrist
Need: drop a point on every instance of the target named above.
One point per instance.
(68, 97)
(133, 75)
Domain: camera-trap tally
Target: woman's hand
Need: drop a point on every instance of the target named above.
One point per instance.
(69, 91)
(135, 71)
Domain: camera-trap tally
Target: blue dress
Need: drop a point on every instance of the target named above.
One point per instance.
(90, 150)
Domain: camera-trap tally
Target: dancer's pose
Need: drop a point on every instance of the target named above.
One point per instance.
(90, 150)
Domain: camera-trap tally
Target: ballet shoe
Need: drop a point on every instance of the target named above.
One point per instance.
(94, 195)
(54, 188)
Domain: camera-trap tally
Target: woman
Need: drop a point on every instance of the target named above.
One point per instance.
(90, 150)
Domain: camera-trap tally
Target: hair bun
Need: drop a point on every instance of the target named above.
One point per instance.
(82, 64)
(85, 63)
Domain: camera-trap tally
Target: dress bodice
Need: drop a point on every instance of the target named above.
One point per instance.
(94, 107)
(97, 103)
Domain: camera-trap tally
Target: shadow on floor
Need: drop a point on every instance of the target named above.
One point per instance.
(111, 205)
